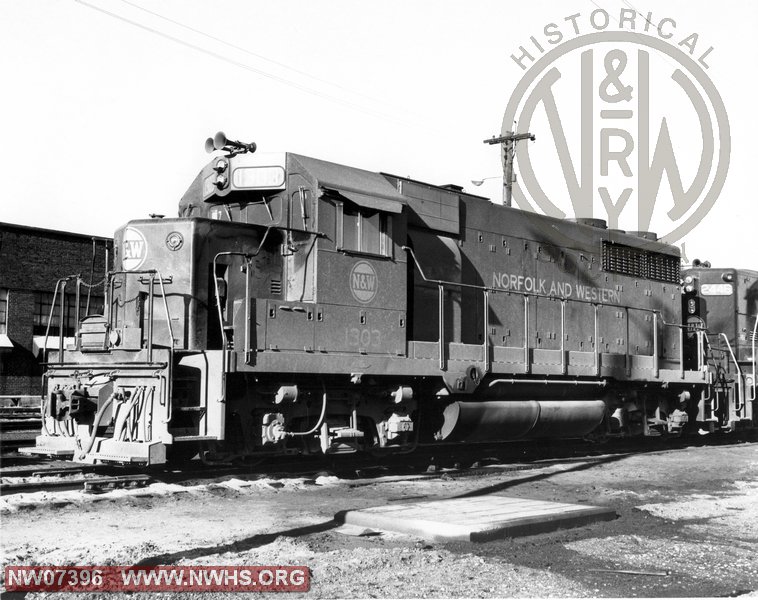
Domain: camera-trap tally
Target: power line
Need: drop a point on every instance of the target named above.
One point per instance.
(250, 52)
(242, 65)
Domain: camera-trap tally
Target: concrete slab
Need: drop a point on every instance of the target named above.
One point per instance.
(476, 519)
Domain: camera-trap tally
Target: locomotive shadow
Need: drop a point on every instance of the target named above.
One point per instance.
(262, 539)
(499, 487)
(255, 541)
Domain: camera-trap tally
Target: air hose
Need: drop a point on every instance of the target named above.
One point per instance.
(98, 417)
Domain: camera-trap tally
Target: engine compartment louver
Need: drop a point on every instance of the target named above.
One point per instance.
(635, 262)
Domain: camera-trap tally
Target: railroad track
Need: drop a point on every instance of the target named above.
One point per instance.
(426, 461)
(19, 426)
(96, 484)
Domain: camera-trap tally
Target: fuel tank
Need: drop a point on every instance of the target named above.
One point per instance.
(505, 420)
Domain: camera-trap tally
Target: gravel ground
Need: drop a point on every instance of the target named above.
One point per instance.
(688, 518)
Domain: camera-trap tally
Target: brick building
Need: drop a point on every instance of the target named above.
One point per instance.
(32, 260)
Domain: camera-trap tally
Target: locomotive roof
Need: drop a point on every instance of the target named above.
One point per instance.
(367, 188)
(427, 205)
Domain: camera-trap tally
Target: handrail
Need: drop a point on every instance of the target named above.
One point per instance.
(152, 273)
(739, 401)
(656, 365)
(657, 318)
(752, 356)
(58, 283)
(224, 341)
(596, 341)
(441, 328)
(564, 365)
(50, 320)
(486, 338)
(534, 294)
(702, 363)
(527, 362)
(151, 301)
(165, 307)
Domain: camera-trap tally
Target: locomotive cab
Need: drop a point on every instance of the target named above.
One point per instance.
(278, 255)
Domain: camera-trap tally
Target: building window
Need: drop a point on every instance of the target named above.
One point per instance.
(43, 302)
(3, 310)
(363, 230)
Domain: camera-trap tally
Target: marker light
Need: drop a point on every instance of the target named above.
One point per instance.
(688, 279)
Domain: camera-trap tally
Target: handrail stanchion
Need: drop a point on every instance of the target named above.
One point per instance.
(50, 320)
(441, 308)
(165, 307)
(150, 302)
(597, 340)
(627, 359)
(527, 366)
(61, 320)
(486, 340)
(77, 307)
(739, 403)
(563, 337)
(248, 315)
(655, 346)
(752, 357)
(110, 296)
(700, 350)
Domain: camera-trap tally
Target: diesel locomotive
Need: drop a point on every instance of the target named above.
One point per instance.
(301, 306)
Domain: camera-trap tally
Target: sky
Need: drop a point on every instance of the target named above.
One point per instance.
(107, 103)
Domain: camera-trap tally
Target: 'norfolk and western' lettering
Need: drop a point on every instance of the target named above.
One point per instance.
(558, 289)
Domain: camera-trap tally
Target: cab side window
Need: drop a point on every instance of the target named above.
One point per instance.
(363, 230)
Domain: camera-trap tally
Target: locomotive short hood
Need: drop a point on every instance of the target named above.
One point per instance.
(252, 174)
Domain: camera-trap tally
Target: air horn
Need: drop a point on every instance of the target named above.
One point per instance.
(231, 147)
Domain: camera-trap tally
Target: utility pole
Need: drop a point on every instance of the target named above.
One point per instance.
(508, 142)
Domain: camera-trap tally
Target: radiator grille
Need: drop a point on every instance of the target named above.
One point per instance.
(635, 262)
(276, 287)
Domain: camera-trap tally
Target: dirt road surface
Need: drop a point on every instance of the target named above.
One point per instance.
(687, 527)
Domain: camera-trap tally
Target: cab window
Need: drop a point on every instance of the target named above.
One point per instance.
(363, 230)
